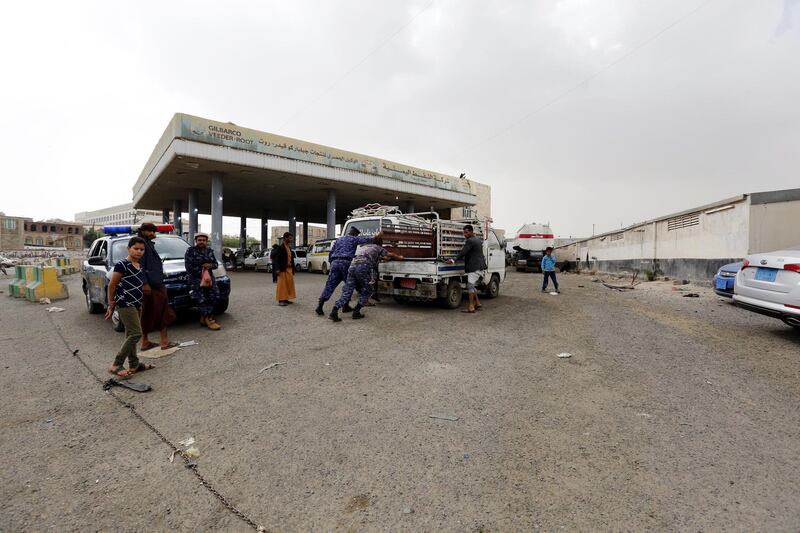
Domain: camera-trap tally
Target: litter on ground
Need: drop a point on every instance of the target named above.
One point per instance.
(54, 309)
(273, 365)
(188, 441)
(564, 355)
(192, 453)
(554, 293)
(445, 417)
(45, 301)
(184, 344)
(157, 353)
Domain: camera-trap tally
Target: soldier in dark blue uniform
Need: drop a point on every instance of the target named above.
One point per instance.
(359, 276)
(342, 252)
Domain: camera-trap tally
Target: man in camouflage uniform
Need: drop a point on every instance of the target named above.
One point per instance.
(359, 276)
(199, 258)
(342, 252)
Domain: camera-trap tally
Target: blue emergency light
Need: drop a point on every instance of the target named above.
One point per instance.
(118, 230)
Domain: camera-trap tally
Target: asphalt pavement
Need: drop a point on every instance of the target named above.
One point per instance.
(671, 413)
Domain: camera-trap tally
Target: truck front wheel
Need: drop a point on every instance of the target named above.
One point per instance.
(493, 288)
(452, 298)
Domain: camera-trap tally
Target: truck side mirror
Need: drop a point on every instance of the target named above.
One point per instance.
(97, 260)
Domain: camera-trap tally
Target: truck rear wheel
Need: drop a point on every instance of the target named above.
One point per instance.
(452, 298)
(493, 288)
(325, 268)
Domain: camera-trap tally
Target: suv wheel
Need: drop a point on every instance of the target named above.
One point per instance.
(325, 268)
(92, 307)
(221, 307)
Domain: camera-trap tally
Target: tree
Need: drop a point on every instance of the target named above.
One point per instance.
(90, 235)
(232, 241)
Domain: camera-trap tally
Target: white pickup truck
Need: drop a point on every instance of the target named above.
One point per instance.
(427, 243)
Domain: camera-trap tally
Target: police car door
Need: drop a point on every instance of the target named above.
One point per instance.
(96, 275)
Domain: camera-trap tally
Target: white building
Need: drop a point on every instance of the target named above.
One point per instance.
(120, 215)
(694, 243)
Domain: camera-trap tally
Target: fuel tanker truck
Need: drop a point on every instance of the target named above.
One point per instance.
(531, 241)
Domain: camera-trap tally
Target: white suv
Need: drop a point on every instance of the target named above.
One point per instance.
(769, 284)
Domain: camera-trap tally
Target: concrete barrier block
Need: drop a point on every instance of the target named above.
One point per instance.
(24, 274)
(46, 285)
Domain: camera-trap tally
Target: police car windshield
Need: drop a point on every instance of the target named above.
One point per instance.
(167, 248)
(366, 227)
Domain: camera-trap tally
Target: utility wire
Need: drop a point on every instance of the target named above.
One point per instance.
(374, 51)
(584, 81)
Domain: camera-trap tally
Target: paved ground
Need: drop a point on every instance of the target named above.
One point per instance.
(672, 414)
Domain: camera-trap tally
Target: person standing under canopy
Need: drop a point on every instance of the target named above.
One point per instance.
(156, 312)
(200, 262)
(284, 267)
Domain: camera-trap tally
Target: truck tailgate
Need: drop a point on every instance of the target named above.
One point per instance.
(419, 268)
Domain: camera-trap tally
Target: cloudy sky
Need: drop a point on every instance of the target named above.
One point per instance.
(576, 112)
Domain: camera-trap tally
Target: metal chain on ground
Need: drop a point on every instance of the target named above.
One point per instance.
(188, 462)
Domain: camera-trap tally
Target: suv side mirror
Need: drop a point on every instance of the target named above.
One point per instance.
(97, 260)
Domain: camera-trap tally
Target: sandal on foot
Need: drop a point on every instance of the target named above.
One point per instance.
(169, 345)
(141, 368)
(467, 311)
(149, 346)
(121, 372)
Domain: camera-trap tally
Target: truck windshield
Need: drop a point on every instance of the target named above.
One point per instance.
(366, 227)
(167, 248)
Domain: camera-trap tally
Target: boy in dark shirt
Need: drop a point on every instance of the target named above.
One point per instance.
(125, 295)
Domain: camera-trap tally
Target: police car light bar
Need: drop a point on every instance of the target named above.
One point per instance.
(117, 230)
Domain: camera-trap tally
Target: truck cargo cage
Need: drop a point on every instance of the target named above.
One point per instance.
(412, 242)
(415, 237)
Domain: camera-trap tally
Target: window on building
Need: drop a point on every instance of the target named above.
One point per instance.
(39, 241)
(52, 229)
(683, 221)
(9, 223)
(28, 240)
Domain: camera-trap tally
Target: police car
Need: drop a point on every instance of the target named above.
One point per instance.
(106, 251)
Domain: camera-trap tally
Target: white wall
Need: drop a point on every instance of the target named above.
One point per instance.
(721, 233)
(774, 226)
